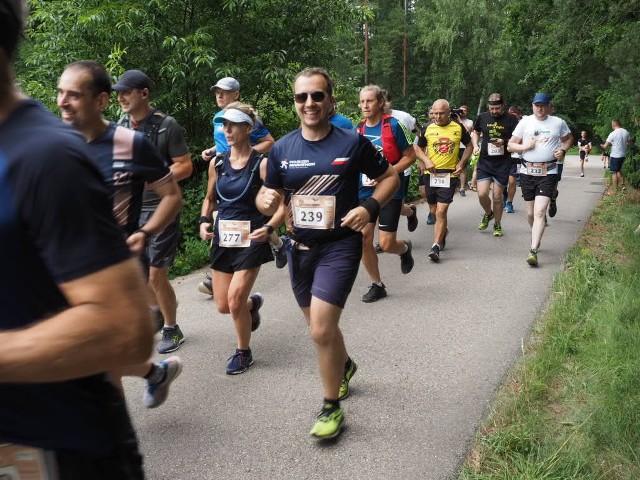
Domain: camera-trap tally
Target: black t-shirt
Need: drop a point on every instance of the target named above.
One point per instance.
(495, 127)
(56, 225)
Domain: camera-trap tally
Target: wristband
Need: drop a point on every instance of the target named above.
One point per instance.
(373, 207)
(204, 219)
(270, 228)
(147, 235)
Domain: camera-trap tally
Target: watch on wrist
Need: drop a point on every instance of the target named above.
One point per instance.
(204, 219)
(270, 228)
(147, 235)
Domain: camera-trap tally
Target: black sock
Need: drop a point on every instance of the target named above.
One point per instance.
(330, 404)
(347, 364)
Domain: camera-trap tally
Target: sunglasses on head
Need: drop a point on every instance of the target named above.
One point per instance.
(315, 96)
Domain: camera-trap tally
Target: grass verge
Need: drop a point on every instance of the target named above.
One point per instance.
(570, 409)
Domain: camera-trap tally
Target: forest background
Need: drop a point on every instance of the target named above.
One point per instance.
(585, 54)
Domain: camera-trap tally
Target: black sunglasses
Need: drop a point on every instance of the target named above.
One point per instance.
(315, 96)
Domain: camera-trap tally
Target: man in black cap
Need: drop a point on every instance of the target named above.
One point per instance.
(133, 89)
(76, 305)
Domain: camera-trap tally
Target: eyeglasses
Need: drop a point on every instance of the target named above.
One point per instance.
(315, 96)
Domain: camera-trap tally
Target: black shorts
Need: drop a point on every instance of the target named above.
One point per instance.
(496, 170)
(441, 194)
(230, 260)
(161, 249)
(327, 271)
(533, 186)
(583, 154)
(390, 216)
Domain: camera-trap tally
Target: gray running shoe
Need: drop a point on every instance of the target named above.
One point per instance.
(156, 393)
(172, 338)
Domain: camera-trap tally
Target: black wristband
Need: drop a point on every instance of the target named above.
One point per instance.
(270, 228)
(147, 235)
(204, 219)
(373, 207)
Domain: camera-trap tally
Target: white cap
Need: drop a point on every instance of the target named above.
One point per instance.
(234, 115)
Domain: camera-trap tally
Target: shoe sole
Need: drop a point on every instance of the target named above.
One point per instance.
(355, 369)
(407, 269)
(532, 262)
(256, 309)
(434, 258)
(412, 221)
(205, 290)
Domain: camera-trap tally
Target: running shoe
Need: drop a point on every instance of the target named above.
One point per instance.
(406, 259)
(463, 193)
(484, 223)
(509, 208)
(378, 248)
(497, 230)
(280, 255)
(172, 338)
(329, 423)
(553, 208)
(434, 254)
(533, 258)
(206, 286)
(239, 362)
(157, 393)
(348, 373)
(431, 219)
(444, 240)
(375, 293)
(257, 300)
(412, 221)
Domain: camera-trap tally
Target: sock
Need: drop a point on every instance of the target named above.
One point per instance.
(406, 248)
(278, 243)
(156, 374)
(380, 284)
(172, 327)
(330, 404)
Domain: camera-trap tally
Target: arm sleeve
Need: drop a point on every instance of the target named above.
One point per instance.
(466, 136)
(273, 178)
(259, 132)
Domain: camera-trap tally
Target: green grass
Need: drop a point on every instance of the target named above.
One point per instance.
(571, 407)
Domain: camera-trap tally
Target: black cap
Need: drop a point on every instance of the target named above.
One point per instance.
(132, 79)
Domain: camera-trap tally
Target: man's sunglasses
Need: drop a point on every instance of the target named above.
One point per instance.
(315, 96)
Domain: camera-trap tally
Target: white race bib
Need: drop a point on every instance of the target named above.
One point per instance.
(315, 212)
(537, 169)
(494, 150)
(440, 180)
(234, 233)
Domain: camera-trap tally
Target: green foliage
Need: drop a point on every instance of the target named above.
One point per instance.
(570, 410)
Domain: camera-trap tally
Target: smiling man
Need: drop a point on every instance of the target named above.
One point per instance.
(315, 171)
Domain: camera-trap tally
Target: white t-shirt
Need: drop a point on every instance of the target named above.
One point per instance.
(548, 134)
(619, 140)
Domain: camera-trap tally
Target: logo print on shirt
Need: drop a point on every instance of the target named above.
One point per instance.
(443, 146)
(339, 161)
(284, 164)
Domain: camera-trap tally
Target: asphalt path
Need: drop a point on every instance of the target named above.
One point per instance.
(430, 358)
